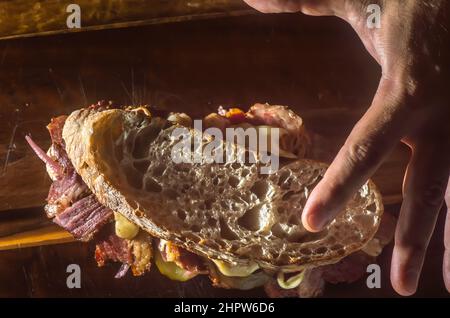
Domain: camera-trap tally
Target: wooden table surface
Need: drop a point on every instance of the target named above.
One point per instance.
(315, 65)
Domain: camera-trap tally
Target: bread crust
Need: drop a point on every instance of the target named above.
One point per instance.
(102, 147)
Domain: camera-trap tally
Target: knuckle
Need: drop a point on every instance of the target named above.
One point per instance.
(433, 195)
(408, 90)
(365, 153)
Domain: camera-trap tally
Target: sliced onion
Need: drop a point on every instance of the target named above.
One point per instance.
(52, 164)
(291, 282)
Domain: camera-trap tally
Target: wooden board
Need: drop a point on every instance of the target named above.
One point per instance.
(192, 67)
(50, 234)
(41, 272)
(24, 18)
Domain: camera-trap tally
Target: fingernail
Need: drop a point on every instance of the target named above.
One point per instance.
(411, 281)
(317, 219)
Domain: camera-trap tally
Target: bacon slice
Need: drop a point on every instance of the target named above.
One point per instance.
(64, 192)
(276, 116)
(59, 154)
(282, 117)
(69, 200)
(183, 258)
(114, 249)
(294, 140)
(55, 129)
(135, 254)
(84, 218)
(73, 206)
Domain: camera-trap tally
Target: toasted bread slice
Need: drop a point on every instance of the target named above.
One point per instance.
(228, 211)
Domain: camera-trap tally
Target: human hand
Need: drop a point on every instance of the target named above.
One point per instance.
(411, 105)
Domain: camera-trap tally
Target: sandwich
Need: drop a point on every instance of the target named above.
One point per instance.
(136, 181)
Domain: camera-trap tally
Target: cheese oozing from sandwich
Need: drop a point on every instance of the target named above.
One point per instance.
(236, 270)
(124, 228)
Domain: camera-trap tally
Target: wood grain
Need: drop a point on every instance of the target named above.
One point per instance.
(24, 18)
(49, 234)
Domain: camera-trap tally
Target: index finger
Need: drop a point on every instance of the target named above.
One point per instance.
(369, 143)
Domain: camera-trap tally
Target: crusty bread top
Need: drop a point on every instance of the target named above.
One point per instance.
(223, 211)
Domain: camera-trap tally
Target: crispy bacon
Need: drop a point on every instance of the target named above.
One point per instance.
(114, 249)
(64, 192)
(59, 154)
(235, 116)
(84, 218)
(69, 200)
(276, 116)
(135, 254)
(296, 141)
(183, 258)
(55, 129)
(73, 206)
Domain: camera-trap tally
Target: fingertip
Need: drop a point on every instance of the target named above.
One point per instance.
(403, 289)
(313, 217)
(309, 225)
(404, 280)
(446, 269)
(400, 286)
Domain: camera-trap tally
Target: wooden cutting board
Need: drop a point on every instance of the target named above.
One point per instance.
(193, 67)
(25, 18)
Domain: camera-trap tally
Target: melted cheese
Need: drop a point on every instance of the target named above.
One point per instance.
(234, 270)
(291, 282)
(124, 228)
(172, 270)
